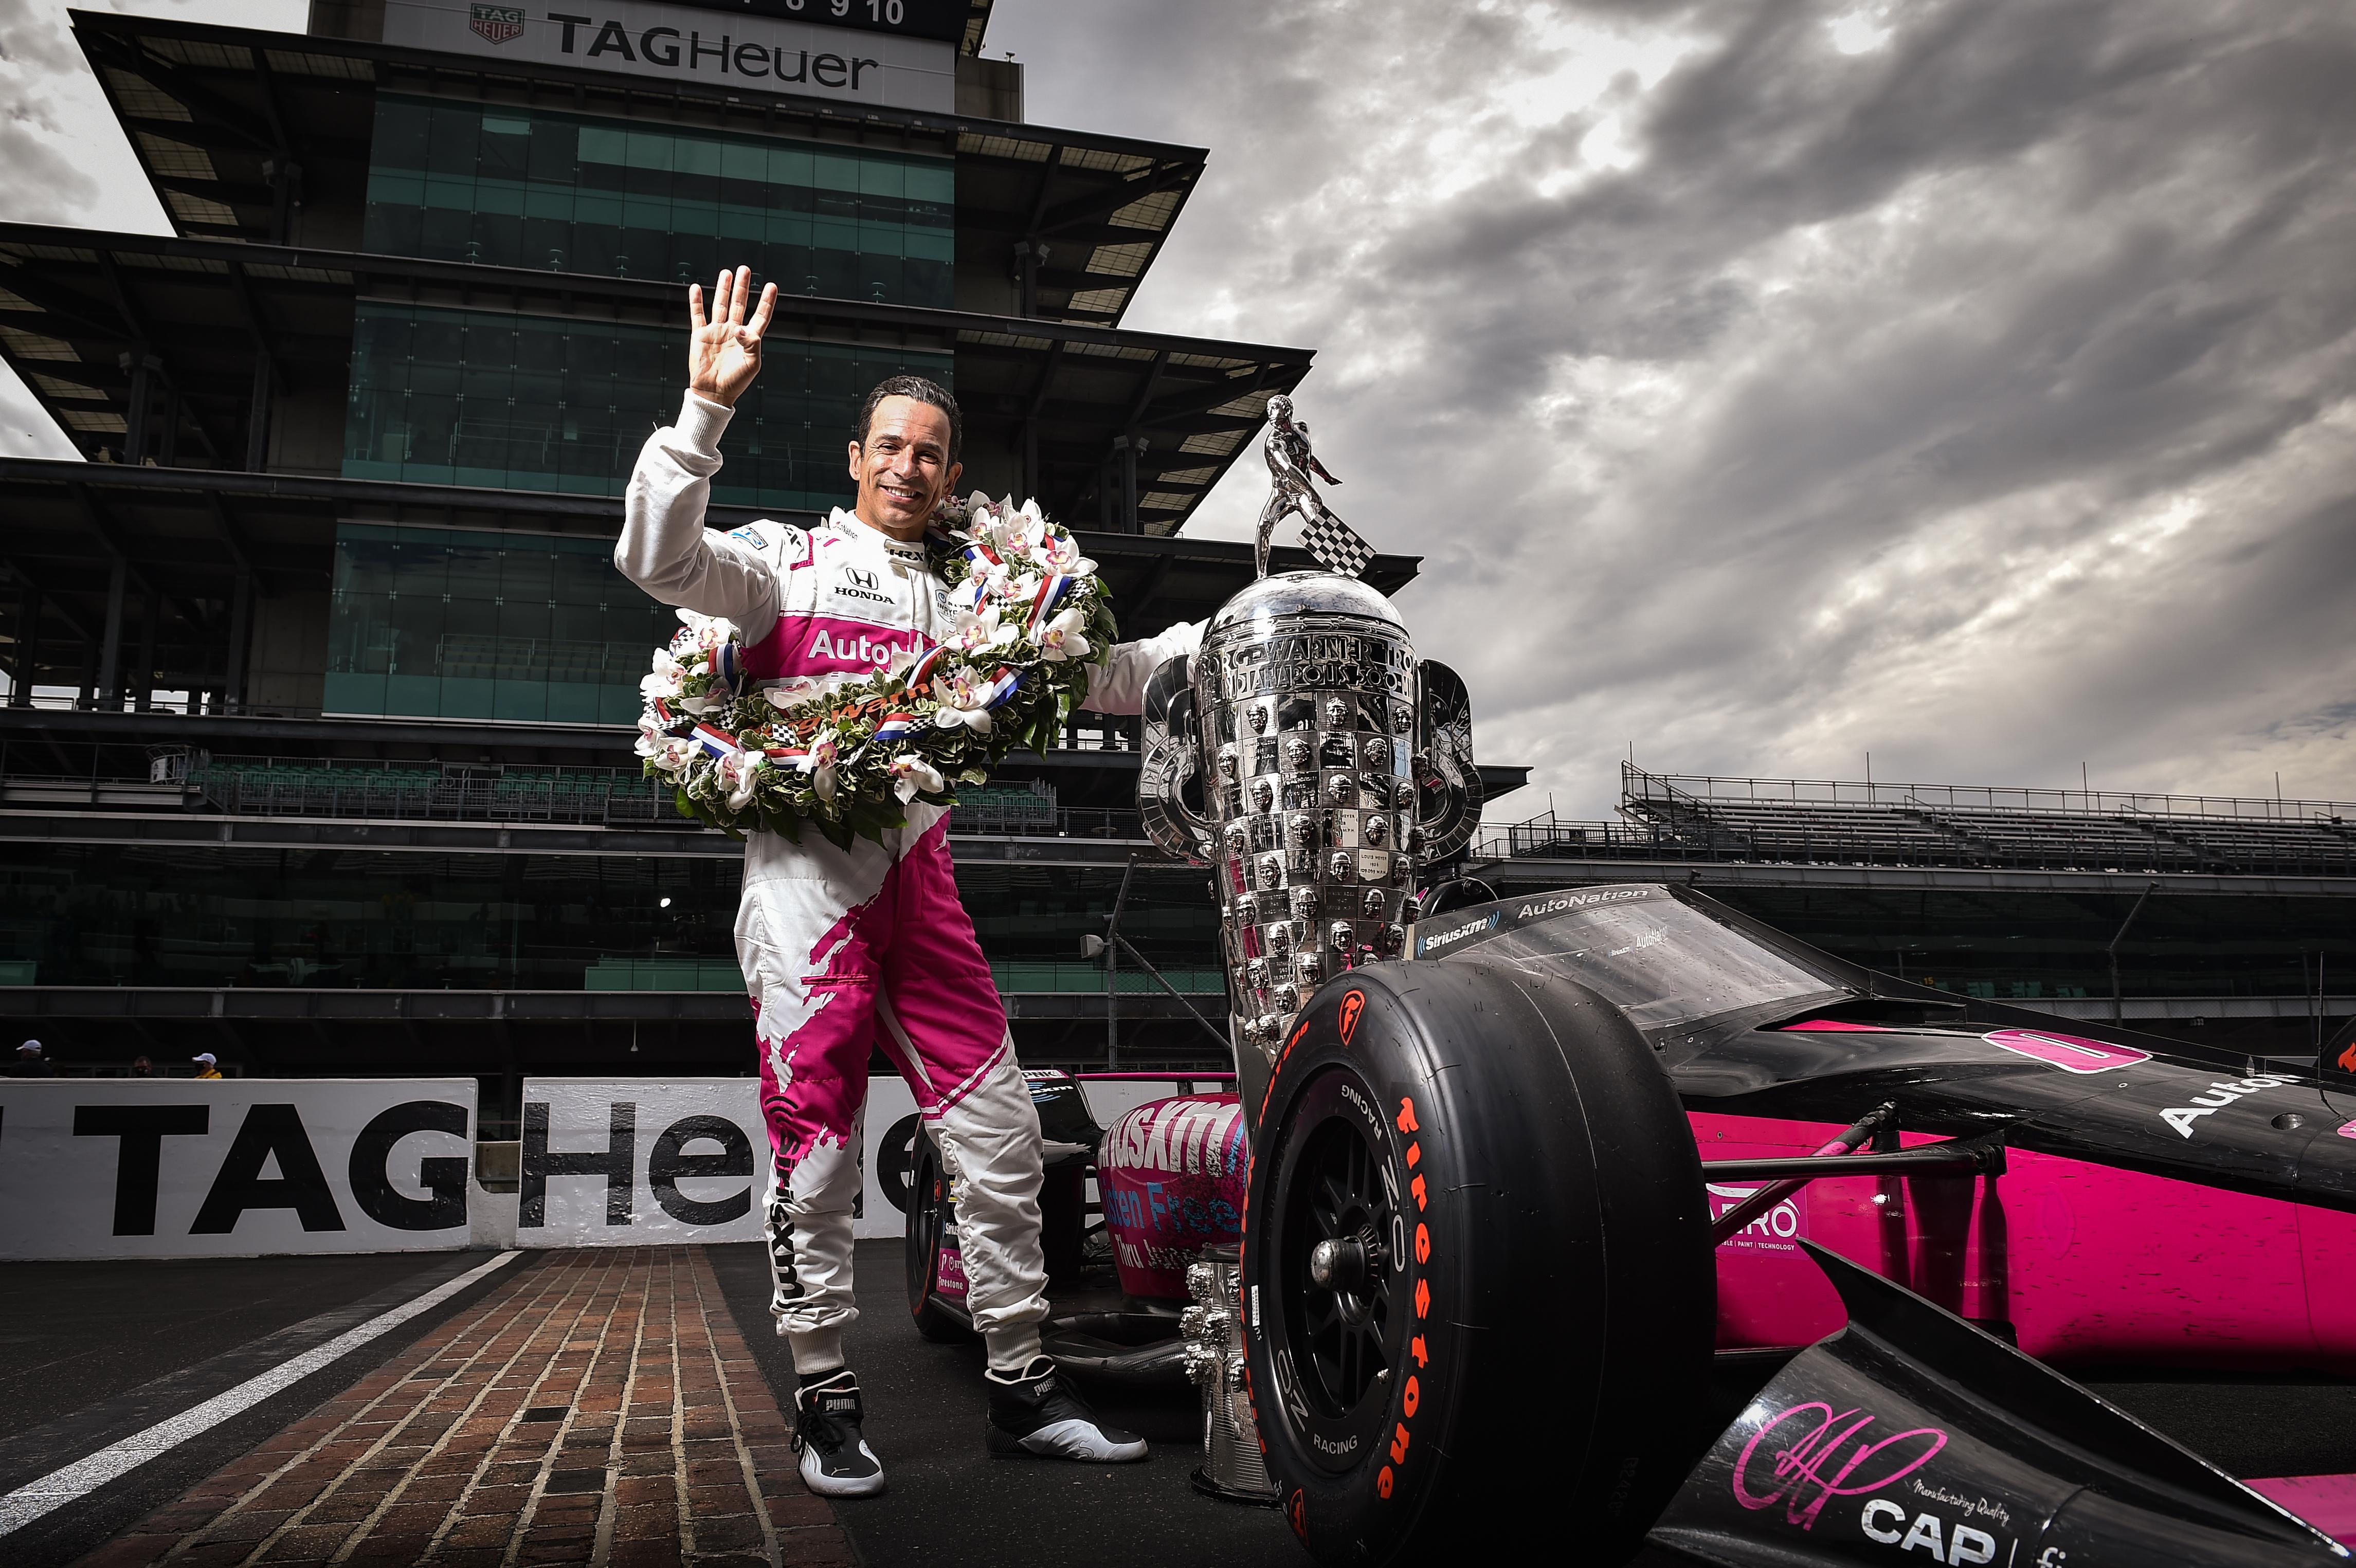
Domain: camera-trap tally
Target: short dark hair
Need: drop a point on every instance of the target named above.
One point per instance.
(923, 392)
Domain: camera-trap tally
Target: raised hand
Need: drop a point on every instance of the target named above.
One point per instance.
(724, 350)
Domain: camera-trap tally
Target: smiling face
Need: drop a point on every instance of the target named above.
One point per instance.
(903, 467)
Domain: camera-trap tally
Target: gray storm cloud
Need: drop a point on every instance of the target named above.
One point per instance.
(1767, 384)
(1764, 383)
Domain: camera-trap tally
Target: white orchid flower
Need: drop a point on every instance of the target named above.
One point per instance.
(825, 751)
(962, 703)
(1026, 530)
(973, 630)
(661, 683)
(737, 775)
(673, 755)
(706, 632)
(1064, 637)
(651, 739)
(912, 776)
(984, 629)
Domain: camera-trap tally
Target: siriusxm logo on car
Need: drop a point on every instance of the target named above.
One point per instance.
(1425, 946)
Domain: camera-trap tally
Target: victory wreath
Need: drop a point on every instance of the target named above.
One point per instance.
(847, 752)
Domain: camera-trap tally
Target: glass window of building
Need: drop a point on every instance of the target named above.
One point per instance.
(435, 623)
(513, 188)
(452, 396)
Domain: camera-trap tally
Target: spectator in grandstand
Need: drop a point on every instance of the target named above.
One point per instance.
(208, 1064)
(142, 1068)
(30, 1062)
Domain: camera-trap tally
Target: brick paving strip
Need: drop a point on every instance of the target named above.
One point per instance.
(597, 1407)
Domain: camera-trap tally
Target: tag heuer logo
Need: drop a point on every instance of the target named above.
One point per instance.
(498, 24)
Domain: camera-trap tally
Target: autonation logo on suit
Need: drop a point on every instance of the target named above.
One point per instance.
(672, 43)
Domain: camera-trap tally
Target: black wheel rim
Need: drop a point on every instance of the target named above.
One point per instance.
(1337, 1184)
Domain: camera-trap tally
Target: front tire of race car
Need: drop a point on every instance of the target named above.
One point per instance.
(1478, 1288)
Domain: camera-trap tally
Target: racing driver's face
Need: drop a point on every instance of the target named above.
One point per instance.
(903, 467)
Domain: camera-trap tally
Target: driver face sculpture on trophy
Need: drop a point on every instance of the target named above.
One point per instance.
(1311, 761)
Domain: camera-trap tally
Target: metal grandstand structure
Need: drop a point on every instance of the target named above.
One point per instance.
(1674, 817)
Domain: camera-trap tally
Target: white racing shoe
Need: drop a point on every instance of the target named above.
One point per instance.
(1035, 1414)
(835, 1459)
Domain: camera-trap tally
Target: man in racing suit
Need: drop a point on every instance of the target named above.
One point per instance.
(847, 948)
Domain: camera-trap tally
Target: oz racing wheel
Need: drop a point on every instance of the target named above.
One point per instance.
(1478, 1289)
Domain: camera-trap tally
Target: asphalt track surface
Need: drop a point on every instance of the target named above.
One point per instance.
(90, 1352)
(951, 1504)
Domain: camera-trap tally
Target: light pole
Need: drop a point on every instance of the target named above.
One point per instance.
(1111, 945)
(2112, 952)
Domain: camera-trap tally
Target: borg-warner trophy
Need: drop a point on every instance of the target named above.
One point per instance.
(1311, 761)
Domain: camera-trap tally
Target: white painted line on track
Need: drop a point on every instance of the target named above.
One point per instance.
(84, 1475)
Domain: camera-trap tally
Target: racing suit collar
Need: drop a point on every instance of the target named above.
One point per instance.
(860, 529)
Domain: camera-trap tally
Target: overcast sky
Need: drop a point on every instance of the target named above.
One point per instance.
(1973, 384)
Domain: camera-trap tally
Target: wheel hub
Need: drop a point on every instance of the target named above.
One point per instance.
(1338, 1265)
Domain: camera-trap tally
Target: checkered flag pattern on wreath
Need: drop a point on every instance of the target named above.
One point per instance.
(1335, 544)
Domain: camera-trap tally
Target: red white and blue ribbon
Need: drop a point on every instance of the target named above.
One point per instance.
(728, 666)
(714, 742)
(894, 727)
(920, 674)
(1000, 688)
(1052, 592)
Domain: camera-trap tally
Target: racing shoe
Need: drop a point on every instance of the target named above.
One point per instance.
(1035, 1413)
(835, 1459)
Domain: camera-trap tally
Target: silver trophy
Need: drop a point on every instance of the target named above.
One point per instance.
(1311, 761)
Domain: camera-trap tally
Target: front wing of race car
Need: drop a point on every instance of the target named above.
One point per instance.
(1911, 1431)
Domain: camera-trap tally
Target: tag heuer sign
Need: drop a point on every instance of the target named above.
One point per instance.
(498, 24)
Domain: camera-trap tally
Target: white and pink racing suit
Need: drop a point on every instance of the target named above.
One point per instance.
(847, 948)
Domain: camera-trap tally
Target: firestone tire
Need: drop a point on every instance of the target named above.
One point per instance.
(920, 1247)
(1510, 1336)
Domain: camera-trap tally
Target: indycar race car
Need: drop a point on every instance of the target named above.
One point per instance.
(1518, 1207)
(1515, 1201)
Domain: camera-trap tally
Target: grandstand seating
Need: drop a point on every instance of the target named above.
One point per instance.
(2075, 841)
(2268, 845)
(1785, 820)
(1002, 808)
(268, 787)
(261, 786)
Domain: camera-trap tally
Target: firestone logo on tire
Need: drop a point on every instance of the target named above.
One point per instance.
(1353, 1005)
